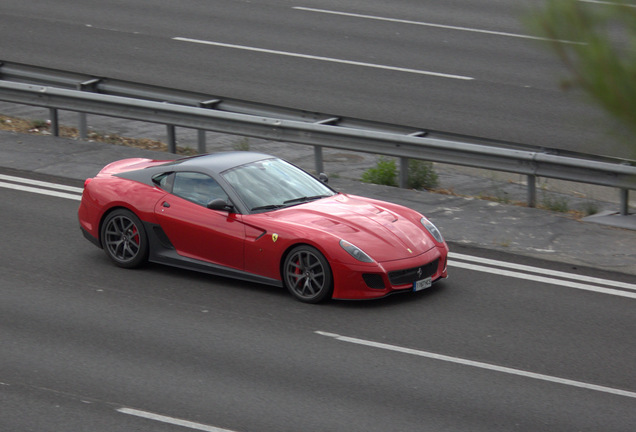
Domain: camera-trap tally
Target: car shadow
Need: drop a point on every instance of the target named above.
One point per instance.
(393, 300)
(203, 282)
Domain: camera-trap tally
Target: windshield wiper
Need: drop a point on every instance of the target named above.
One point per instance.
(268, 207)
(305, 199)
(287, 203)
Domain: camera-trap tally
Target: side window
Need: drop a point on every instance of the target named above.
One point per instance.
(197, 187)
(164, 181)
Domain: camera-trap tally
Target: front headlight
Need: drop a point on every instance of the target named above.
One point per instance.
(355, 251)
(432, 229)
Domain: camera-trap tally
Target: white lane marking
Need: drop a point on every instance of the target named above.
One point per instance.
(480, 365)
(452, 255)
(326, 59)
(40, 183)
(40, 191)
(543, 271)
(608, 3)
(171, 420)
(420, 23)
(543, 279)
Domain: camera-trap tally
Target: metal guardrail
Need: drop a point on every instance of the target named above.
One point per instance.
(83, 94)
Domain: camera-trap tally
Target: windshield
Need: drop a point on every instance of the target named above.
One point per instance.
(273, 183)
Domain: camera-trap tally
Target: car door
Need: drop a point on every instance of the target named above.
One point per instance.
(197, 231)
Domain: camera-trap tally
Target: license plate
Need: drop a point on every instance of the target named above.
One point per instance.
(422, 284)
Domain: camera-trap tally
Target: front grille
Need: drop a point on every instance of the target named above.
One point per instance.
(401, 277)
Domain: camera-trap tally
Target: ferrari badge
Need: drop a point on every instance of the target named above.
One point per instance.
(274, 237)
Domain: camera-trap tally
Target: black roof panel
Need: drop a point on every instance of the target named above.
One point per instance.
(218, 162)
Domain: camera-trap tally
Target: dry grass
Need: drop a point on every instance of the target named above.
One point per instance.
(39, 127)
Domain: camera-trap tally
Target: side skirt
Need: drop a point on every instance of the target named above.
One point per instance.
(163, 252)
(90, 238)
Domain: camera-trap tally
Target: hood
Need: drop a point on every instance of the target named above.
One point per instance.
(384, 234)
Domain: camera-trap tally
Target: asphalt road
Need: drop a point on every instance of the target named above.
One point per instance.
(88, 346)
(466, 67)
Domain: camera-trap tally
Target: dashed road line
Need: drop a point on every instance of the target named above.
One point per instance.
(171, 420)
(427, 24)
(319, 58)
(481, 365)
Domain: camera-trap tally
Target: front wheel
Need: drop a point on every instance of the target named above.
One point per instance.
(307, 275)
(124, 239)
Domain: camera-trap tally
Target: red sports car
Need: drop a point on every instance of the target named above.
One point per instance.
(258, 218)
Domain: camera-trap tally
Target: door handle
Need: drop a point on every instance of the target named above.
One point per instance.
(166, 204)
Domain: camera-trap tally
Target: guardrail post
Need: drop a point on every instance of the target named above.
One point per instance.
(172, 138)
(624, 195)
(201, 144)
(404, 172)
(55, 122)
(91, 86)
(318, 159)
(532, 190)
(82, 126)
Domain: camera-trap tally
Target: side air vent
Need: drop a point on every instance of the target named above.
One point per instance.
(373, 280)
(162, 237)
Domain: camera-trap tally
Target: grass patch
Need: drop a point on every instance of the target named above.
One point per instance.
(242, 144)
(384, 173)
(555, 203)
(421, 174)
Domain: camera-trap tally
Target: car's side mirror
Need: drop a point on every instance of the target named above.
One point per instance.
(220, 204)
(323, 178)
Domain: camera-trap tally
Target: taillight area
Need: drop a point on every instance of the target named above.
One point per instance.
(87, 181)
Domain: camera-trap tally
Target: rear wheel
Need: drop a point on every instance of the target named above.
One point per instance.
(307, 274)
(124, 239)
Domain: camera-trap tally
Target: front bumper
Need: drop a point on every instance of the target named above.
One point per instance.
(381, 279)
